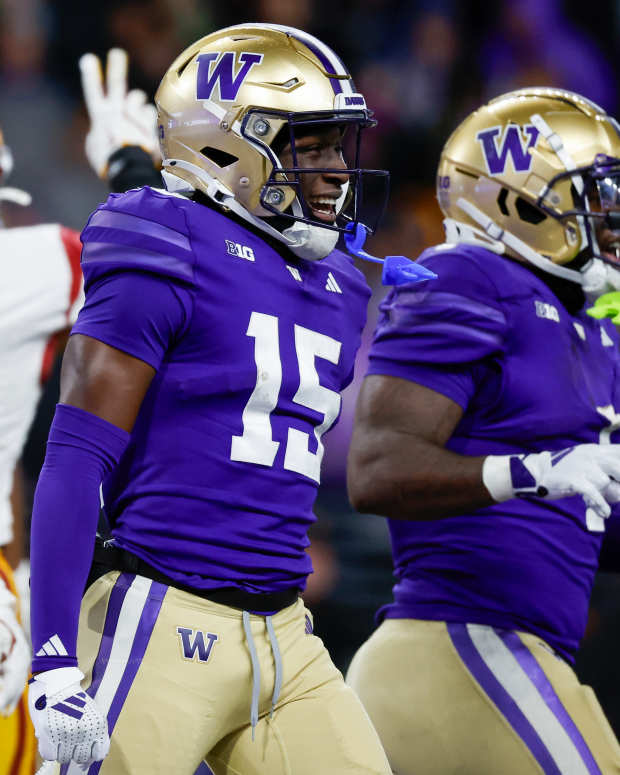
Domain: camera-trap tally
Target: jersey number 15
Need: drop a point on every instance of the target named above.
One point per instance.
(256, 444)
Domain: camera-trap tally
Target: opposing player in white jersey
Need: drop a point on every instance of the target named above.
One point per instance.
(40, 295)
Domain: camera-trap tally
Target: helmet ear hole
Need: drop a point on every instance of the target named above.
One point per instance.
(501, 201)
(528, 213)
(217, 156)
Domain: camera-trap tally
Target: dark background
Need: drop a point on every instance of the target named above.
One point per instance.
(422, 67)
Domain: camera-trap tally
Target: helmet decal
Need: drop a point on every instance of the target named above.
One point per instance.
(329, 60)
(535, 174)
(511, 147)
(222, 74)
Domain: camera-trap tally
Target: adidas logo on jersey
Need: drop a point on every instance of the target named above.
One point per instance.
(331, 284)
(241, 251)
(53, 647)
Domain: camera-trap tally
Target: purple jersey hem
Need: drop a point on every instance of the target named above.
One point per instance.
(424, 377)
(128, 347)
(449, 615)
(202, 583)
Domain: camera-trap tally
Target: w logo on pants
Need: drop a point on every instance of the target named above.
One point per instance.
(513, 145)
(195, 644)
(227, 74)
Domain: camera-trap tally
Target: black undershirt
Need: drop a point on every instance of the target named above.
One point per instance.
(132, 167)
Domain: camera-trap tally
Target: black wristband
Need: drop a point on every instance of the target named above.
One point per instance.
(131, 167)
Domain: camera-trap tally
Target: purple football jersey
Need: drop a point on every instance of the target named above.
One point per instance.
(252, 348)
(492, 336)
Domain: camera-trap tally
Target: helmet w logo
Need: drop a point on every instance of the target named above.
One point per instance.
(227, 74)
(513, 146)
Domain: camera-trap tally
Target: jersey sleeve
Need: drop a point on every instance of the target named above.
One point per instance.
(138, 266)
(141, 230)
(439, 335)
(139, 313)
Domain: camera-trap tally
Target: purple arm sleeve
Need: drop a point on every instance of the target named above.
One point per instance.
(81, 449)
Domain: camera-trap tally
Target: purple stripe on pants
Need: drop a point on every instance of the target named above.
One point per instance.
(149, 615)
(115, 603)
(500, 697)
(537, 676)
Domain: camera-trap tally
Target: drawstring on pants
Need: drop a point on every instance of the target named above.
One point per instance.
(277, 658)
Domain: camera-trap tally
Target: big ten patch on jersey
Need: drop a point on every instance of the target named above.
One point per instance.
(554, 353)
(239, 250)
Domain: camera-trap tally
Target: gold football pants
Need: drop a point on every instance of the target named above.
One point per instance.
(451, 698)
(176, 675)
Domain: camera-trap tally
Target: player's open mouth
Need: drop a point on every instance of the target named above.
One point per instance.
(324, 208)
(611, 251)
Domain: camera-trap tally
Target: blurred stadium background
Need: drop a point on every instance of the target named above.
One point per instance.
(422, 67)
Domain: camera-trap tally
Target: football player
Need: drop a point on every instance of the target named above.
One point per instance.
(40, 295)
(219, 327)
(486, 431)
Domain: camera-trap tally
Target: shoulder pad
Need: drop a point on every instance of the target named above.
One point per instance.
(463, 271)
(141, 229)
(480, 272)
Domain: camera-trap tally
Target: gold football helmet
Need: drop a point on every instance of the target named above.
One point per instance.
(535, 174)
(229, 104)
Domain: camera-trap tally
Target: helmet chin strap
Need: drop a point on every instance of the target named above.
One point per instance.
(313, 242)
(507, 239)
(310, 242)
(303, 239)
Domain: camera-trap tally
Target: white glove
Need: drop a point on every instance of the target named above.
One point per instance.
(67, 721)
(589, 470)
(118, 117)
(15, 653)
